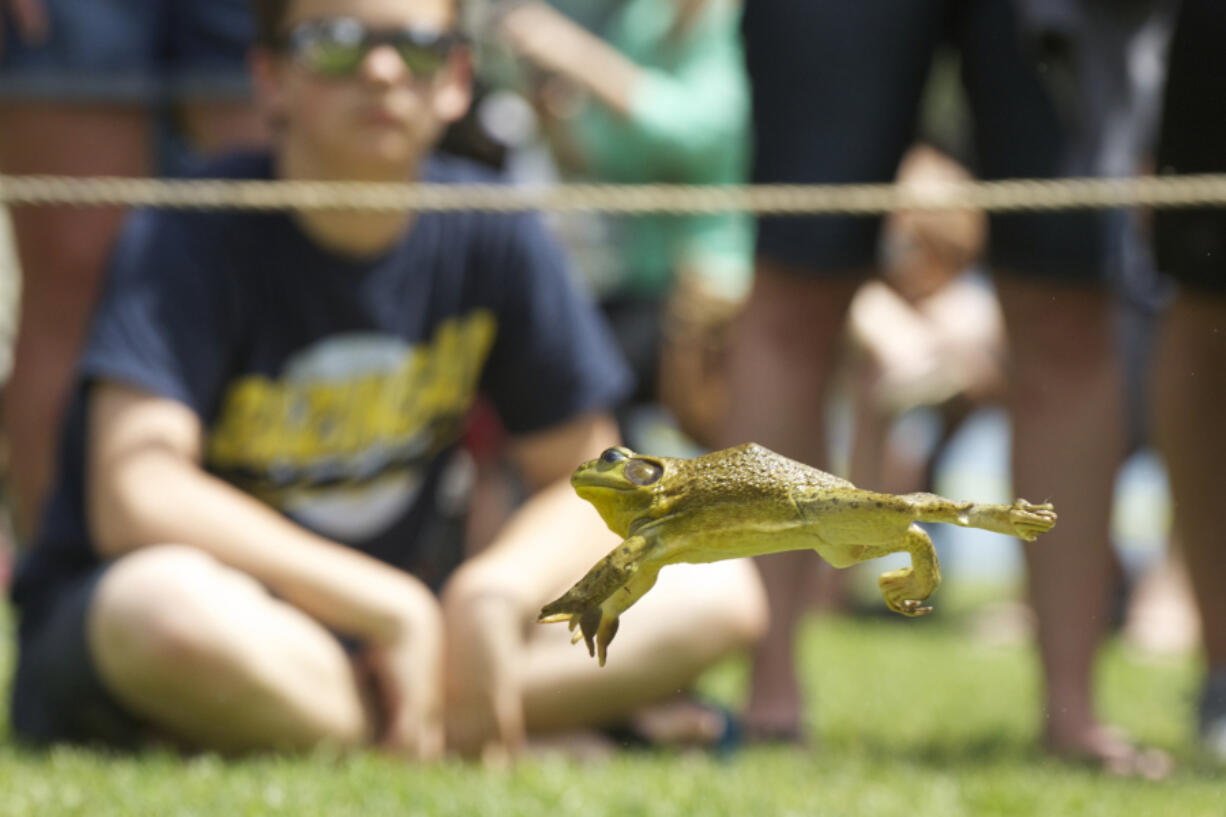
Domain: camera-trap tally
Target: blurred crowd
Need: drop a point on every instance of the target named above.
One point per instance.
(325, 454)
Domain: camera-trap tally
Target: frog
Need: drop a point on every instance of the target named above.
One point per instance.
(750, 501)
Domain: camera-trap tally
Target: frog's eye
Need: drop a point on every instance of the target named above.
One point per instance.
(612, 455)
(643, 472)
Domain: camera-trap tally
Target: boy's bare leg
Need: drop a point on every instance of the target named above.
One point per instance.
(784, 350)
(217, 126)
(210, 658)
(695, 616)
(1190, 391)
(1068, 440)
(62, 253)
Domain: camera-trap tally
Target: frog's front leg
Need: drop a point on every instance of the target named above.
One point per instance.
(906, 589)
(596, 602)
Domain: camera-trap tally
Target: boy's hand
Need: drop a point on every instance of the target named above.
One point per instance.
(407, 675)
(484, 648)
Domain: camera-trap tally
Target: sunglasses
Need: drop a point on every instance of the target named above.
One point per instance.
(335, 48)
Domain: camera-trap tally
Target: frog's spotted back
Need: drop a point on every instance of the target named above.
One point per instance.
(750, 471)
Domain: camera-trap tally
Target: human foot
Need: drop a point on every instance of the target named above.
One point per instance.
(1213, 715)
(580, 746)
(1110, 750)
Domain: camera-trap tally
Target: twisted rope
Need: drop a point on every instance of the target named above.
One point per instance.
(995, 196)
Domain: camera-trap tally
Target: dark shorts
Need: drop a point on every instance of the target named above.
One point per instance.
(836, 93)
(130, 51)
(1190, 243)
(638, 328)
(57, 694)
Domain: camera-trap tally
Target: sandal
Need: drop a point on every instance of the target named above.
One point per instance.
(684, 723)
(1212, 720)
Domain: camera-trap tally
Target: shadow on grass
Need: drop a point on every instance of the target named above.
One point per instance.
(992, 751)
(954, 751)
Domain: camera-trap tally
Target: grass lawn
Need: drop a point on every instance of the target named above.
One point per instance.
(911, 718)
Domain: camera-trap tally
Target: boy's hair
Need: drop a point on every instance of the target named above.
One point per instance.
(269, 16)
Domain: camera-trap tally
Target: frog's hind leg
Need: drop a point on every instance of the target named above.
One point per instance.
(1022, 518)
(906, 589)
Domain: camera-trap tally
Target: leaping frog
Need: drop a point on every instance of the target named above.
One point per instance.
(749, 501)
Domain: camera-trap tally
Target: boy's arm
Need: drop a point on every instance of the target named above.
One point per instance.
(145, 486)
(491, 600)
(544, 544)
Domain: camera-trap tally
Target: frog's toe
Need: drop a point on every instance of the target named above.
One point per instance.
(597, 631)
(577, 601)
(900, 590)
(908, 607)
(1030, 520)
(595, 627)
(914, 607)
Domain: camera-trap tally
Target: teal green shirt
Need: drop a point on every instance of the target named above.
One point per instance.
(689, 124)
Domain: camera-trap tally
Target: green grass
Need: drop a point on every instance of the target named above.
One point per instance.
(911, 718)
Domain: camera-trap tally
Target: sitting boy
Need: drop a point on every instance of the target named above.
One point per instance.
(238, 554)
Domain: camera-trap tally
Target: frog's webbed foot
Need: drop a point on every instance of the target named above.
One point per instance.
(907, 588)
(594, 627)
(584, 609)
(1029, 520)
(596, 602)
(904, 593)
(595, 630)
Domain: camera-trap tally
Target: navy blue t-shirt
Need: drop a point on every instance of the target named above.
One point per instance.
(332, 388)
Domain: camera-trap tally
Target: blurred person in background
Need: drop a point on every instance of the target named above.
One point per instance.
(835, 92)
(82, 87)
(655, 92)
(238, 554)
(927, 336)
(929, 333)
(1190, 367)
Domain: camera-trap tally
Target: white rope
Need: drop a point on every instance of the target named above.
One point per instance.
(997, 196)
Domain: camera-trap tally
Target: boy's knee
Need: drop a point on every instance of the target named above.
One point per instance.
(1059, 331)
(747, 610)
(796, 315)
(150, 611)
(725, 599)
(473, 582)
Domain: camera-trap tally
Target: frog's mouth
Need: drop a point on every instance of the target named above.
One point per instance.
(598, 482)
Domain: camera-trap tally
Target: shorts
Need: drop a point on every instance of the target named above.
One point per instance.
(130, 51)
(57, 693)
(637, 324)
(837, 88)
(1190, 243)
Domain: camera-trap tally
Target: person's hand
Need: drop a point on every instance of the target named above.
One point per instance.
(484, 710)
(693, 357)
(540, 34)
(30, 18)
(407, 676)
(558, 46)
